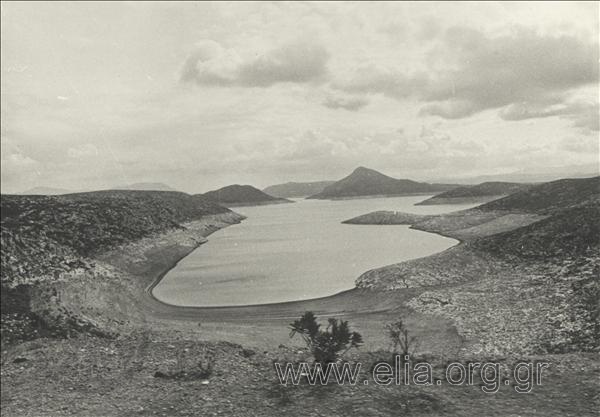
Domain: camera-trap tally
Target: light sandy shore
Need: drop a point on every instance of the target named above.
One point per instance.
(267, 324)
(124, 302)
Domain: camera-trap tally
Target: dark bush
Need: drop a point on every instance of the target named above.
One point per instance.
(329, 344)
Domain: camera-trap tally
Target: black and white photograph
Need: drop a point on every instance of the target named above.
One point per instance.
(300, 208)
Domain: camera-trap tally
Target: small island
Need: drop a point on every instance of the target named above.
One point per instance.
(242, 195)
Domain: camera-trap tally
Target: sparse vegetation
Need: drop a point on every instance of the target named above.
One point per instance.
(189, 366)
(329, 344)
(505, 290)
(402, 341)
(52, 238)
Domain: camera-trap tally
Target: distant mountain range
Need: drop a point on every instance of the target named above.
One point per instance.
(45, 191)
(242, 195)
(531, 175)
(146, 186)
(141, 186)
(297, 189)
(364, 182)
(479, 193)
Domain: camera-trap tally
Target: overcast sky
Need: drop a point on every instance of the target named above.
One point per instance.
(200, 95)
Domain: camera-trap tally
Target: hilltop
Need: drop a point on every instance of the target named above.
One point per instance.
(242, 195)
(480, 193)
(551, 196)
(364, 182)
(297, 189)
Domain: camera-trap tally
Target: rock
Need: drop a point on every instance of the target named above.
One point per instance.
(159, 374)
(247, 353)
(20, 359)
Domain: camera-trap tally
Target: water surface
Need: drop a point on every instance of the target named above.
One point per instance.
(296, 251)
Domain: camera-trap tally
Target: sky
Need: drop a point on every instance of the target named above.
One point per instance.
(203, 95)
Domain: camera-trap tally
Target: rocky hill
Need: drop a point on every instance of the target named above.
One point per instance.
(47, 241)
(516, 210)
(569, 233)
(551, 196)
(483, 192)
(241, 195)
(364, 182)
(297, 189)
(43, 235)
(524, 278)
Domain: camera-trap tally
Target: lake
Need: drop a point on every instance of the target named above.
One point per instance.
(287, 252)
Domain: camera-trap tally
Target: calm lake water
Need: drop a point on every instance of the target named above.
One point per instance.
(296, 251)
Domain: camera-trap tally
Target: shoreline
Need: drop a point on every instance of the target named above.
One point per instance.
(434, 201)
(266, 325)
(258, 203)
(159, 275)
(380, 294)
(362, 197)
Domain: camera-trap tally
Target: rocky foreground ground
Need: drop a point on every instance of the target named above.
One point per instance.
(89, 340)
(525, 278)
(167, 374)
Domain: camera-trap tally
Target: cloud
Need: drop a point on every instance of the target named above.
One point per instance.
(377, 79)
(486, 72)
(469, 71)
(428, 29)
(211, 64)
(585, 115)
(18, 160)
(82, 151)
(17, 168)
(298, 62)
(583, 145)
(308, 146)
(347, 103)
(456, 109)
(588, 120)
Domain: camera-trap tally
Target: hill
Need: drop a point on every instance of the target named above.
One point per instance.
(483, 192)
(364, 182)
(570, 232)
(146, 186)
(529, 260)
(242, 195)
(55, 249)
(297, 189)
(44, 235)
(516, 210)
(550, 197)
